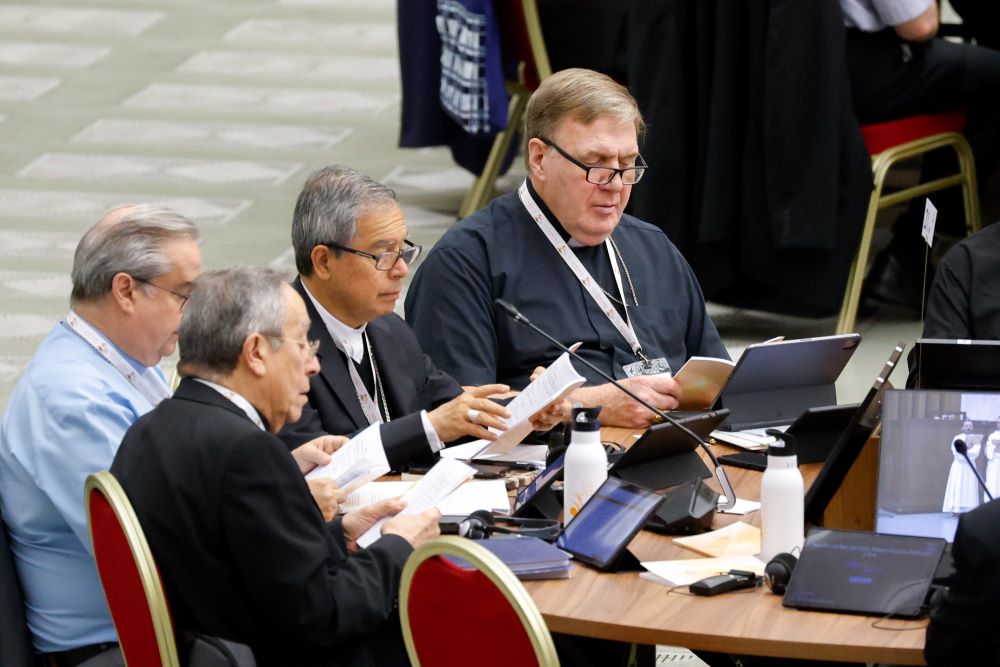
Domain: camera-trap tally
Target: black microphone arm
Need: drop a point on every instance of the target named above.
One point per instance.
(962, 448)
(720, 473)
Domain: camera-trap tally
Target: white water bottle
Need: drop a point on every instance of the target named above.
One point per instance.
(586, 462)
(782, 521)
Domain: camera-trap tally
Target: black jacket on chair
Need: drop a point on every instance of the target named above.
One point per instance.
(242, 548)
(412, 383)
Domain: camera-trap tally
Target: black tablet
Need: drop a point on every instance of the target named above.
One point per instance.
(600, 533)
(528, 495)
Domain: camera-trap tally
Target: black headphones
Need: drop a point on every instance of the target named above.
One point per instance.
(778, 572)
(481, 524)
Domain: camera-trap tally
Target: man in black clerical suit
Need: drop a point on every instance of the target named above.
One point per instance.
(349, 238)
(561, 250)
(963, 628)
(242, 548)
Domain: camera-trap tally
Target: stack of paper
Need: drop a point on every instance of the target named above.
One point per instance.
(490, 495)
(688, 571)
(527, 557)
(359, 461)
(736, 539)
(439, 483)
(752, 439)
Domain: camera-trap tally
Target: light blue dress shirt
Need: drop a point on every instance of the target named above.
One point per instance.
(876, 15)
(65, 420)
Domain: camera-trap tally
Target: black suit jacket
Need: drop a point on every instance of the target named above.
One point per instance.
(963, 628)
(242, 548)
(412, 383)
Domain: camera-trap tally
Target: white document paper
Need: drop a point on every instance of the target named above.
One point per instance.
(439, 482)
(519, 454)
(741, 507)
(359, 461)
(487, 494)
(558, 380)
(686, 572)
(930, 220)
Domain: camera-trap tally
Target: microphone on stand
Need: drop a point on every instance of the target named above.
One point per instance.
(720, 473)
(962, 448)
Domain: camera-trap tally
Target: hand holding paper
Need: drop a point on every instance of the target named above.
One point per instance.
(361, 460)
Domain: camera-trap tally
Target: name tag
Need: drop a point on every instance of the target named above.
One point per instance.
(647, 367)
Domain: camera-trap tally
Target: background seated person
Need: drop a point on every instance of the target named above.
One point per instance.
(349, 237)
(243, 549)
(562, 251)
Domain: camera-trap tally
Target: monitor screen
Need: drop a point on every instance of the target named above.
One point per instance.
(924, 483)
(972, 365)
(541, 482)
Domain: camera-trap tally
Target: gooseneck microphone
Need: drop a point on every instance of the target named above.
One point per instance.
(962, 448)
(720, 473)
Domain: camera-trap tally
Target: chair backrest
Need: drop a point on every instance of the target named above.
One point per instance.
(15, 640)
(129, 576)
(521, 39)
(454, 616)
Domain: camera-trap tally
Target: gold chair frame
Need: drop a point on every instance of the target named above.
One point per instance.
(106, 484)
(482, 189)
(501, 577)
(881, 163)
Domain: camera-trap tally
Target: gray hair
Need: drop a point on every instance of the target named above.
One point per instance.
(224, 309)
(126, 240)
(328, 209)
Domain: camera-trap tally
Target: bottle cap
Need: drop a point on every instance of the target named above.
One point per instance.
(783, 445)
(585, 419)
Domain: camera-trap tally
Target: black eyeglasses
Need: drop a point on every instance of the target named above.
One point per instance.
(604, 175)
(386, 260)
(183, 297)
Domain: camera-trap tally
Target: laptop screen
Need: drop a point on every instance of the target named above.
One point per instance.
(924, 484)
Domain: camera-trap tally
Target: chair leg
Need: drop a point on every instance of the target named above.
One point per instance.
(970, 191)
(852, 295)
(482, 189)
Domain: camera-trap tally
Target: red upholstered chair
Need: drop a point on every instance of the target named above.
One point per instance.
(129, 576)
(520, 40)
(890, 143)
(453, 616)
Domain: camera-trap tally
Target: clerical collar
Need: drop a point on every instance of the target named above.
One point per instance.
(348, 339)
(570, 241)
(238, 399)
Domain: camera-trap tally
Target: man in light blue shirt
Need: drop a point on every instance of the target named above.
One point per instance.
(90, 379)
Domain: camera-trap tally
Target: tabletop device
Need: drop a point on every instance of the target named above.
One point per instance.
(957, 364)
(537, 499)
(687, 508)
(600, 533)
(773, 383)
(850, 443)
(664, 456)
(720, 473)
(816, 431)
(733, 580)
(864, 573)
(923, 486)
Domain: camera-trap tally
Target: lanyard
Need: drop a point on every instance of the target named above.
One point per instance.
(624, 327)
(152, 387)
(368, 406)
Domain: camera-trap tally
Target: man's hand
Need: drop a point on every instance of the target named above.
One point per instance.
(317, 452)
(620, 410)
(327, 496)
(470, 413)
(356, 523)
(414, 528)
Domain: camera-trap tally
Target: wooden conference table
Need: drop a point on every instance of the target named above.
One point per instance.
(626, 608)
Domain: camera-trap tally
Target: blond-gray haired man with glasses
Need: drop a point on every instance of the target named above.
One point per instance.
(563, 251)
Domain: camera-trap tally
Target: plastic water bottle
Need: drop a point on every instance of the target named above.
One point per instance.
(586, 461)
(782, 520)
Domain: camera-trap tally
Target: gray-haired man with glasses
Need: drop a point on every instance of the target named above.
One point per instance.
(562, 251)
(349, 238)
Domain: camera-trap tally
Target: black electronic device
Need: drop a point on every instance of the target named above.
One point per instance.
(773, 383)
(865, 573)
(720, 473)
(687, 509)
(972, 365)
(850, 443)
(664, 456)
(734, 580)
(537, 499)
(816, 432)
(600, 533)
(778, 572)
